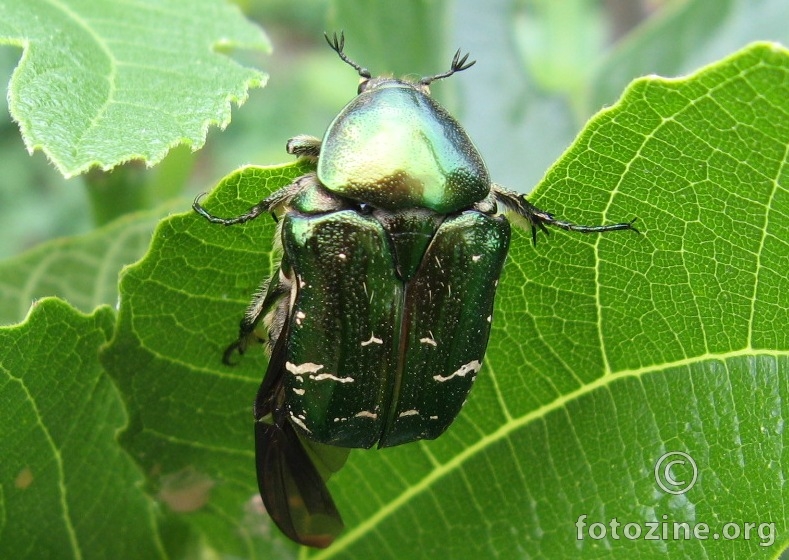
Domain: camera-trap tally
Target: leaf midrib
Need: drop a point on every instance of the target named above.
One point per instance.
(445, 469)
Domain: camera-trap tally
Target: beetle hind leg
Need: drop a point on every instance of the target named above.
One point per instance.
(265, 317)
(538, 219)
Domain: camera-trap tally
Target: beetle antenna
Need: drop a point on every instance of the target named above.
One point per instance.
(458, 65)
(337, 45)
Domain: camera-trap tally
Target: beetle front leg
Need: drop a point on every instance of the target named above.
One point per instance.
(304, 145)
(268, 205)
(517, 203)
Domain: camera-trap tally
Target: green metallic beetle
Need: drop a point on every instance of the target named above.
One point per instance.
(378, 317)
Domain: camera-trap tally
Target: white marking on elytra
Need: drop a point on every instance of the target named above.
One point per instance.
(302, 283)
(313, 369)
(429, 339)
(301, 369)
(329, 376)
(434, 417)
(300, 316)
(476, 258)
(366, 414)
(342, 256)
(372, 340)
(472, 367)
(412, 412)
(490, 318)
(298, 391)
(299, 423)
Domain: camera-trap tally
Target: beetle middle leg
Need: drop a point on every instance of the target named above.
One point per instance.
(269, 306)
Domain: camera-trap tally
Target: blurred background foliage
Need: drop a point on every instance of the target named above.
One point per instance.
(543, 68)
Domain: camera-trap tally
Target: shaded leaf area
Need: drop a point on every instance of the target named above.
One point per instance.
(67, 490)
(82, 270)
(105, 82)
(607, 351)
